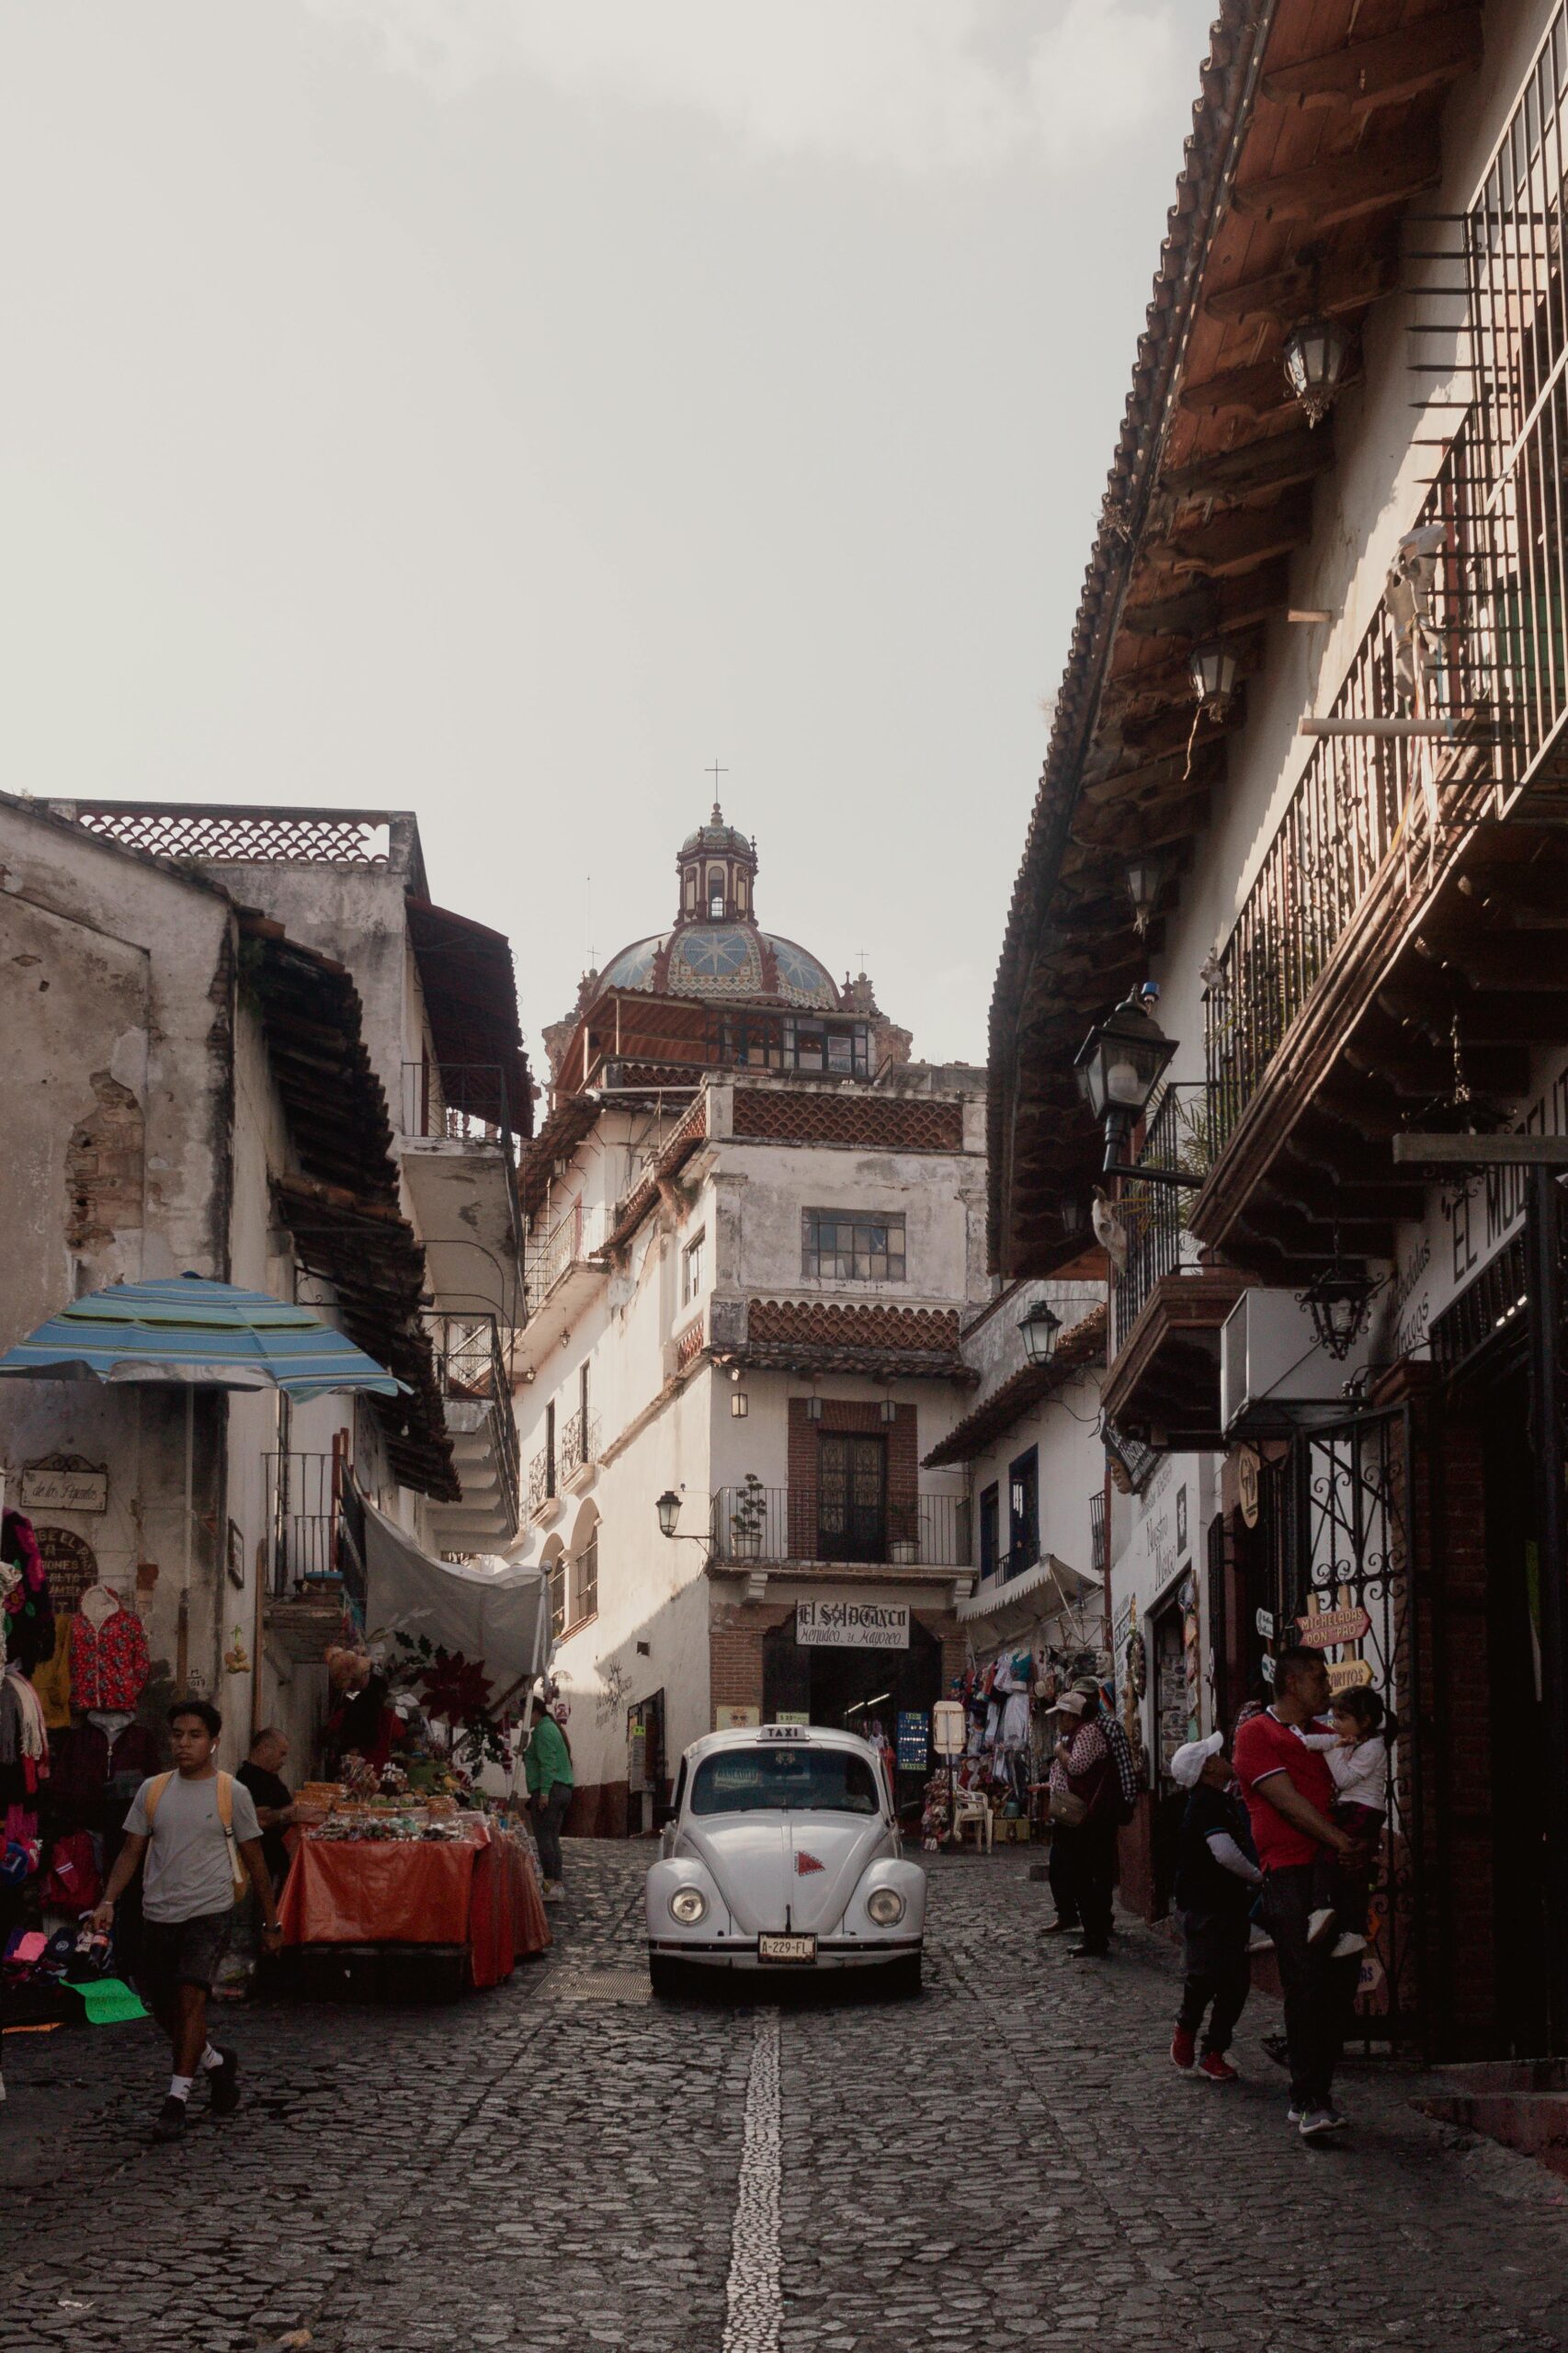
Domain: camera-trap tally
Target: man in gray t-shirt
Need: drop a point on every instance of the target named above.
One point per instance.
(192, 1826)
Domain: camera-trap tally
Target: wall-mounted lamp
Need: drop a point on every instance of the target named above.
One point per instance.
(813, 1407)
(668, 1509)
(1145, 879)
(1213, 670)
(890, 1411)
(1315, 358)
(740, 1405)
(1040, 1327)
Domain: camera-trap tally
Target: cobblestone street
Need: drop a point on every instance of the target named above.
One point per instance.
(1008, 2157)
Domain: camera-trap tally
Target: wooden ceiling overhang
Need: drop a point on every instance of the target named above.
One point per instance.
(1165, 1384)
(1316, 129)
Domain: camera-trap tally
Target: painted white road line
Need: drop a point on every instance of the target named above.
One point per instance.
(755, 2299)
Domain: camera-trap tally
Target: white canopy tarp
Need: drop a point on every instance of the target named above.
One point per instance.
(1050, 1591)
(499, 1616)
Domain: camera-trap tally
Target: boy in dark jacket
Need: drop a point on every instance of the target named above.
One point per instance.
(1217, 1879)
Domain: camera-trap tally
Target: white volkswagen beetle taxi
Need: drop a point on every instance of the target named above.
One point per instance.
(782, 1852)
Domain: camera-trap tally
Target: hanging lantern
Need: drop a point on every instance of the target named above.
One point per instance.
(813, 1407)
(668, 1509)
(1040, 1327)
(1213, 670)
(740, 1404)
(1339, 1303)
(1314, 356)
(1118, 1065)
(1145, 879)
(890, 1411)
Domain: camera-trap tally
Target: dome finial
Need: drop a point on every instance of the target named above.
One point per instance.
(718, 816)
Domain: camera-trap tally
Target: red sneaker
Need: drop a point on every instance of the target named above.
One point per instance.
(1182, 2048)
(1217, 2068)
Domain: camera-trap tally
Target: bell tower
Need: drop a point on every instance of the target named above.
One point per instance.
(717, 867)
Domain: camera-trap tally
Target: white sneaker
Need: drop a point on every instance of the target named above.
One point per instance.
(1320, 2120)
(1346, 1946)
(554, 1892)
(1318, 1925)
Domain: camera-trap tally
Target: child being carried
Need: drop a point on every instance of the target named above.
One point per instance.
(1357, 1752)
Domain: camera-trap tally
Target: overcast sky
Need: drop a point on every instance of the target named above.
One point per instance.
(505, 408)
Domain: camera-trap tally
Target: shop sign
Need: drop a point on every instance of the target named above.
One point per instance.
(1264, 1621)
(69, 1563)
(1265, 1667)
(853, 1625)
(737, 1718)
(1371, 1973)
(913, 1741)
(1247, 1467)
(1350, 1676)
(1322, 1630)
(65, 1483)
(948, 1730)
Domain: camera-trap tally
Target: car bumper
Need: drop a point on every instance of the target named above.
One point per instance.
(850, 1952)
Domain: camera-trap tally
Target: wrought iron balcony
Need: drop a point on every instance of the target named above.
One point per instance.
(475, 1383)
(579, 1443)
(457, 1103)
(542, 1480)
(315, 1529)
(812, 1524)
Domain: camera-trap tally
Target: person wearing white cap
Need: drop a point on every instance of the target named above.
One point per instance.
(1217, 1879)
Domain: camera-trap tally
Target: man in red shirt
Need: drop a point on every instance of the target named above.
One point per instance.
(1289, 1796)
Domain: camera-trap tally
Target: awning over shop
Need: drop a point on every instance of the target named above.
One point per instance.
(498, 1616)
(1048, 1591)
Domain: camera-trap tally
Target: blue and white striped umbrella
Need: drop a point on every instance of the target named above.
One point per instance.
(201, 1334)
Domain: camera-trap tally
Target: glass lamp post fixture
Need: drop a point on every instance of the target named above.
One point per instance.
(668, 1509)
(1314, 356)
(1145, 879)
(1040, 1327)
(1118, 1065)
(1213, 669)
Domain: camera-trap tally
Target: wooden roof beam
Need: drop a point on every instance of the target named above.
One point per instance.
(1242, 539)
(1346, 187)
(1286, 295)
(1385, 70)
(1277, 461)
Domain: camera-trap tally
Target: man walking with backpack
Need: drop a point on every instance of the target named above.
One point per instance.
(197, 1828)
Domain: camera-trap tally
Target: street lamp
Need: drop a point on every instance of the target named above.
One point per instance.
(1118, 1067)
(740, 1404)
(1314, 356)
(1212, 668)
(668, 1509)
(1338, 1301)
(1145, 879)
(1040, 1327)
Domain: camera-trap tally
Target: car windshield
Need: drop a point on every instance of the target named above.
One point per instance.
(765, 1780)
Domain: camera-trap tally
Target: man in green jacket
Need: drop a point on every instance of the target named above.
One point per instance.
(548, 1765)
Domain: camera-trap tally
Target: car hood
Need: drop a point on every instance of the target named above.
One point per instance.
(805, 1866)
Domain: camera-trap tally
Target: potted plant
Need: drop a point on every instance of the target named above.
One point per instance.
(747, 1520)
(904, 1536)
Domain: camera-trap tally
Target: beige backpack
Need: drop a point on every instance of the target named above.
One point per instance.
(237, 1872)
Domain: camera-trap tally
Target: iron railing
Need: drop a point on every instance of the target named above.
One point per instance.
(806, 1523)
(1178, 1137)
(471, 1373)
(546, 1257)
(456, 1102)
(579, 1442)
(541, 1478)
(315, 1529)
(1487, 653)
(1098, 1532)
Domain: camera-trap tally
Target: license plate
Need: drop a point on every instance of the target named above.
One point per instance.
(786, 1948)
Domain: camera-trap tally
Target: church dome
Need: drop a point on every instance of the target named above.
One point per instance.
(717, 949)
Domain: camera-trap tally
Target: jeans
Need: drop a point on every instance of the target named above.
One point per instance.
(1318, 1992)
(1061, 1875)
(1093, 1865)
(547, 1821)
(1219, 1976)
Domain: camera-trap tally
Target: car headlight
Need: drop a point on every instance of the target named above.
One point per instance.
(885, 1905)
(688, 1906)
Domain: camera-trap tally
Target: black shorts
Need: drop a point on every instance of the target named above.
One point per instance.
(183, 1953)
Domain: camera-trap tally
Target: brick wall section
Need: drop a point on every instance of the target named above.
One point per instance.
(736, 1638)
(879, 1123)
(103, 1168)
(816, 1323)
(841, 1414)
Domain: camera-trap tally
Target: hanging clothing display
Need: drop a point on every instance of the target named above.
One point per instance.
(108, 1652)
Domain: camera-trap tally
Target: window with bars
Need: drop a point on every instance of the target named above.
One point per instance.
(691, 1270)
(848, 1248)
(559, 1571)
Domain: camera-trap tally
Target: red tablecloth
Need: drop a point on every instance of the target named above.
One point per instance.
(476, 1890)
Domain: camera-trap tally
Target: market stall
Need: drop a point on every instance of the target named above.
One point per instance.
(411, 1880)
(398, 1877)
